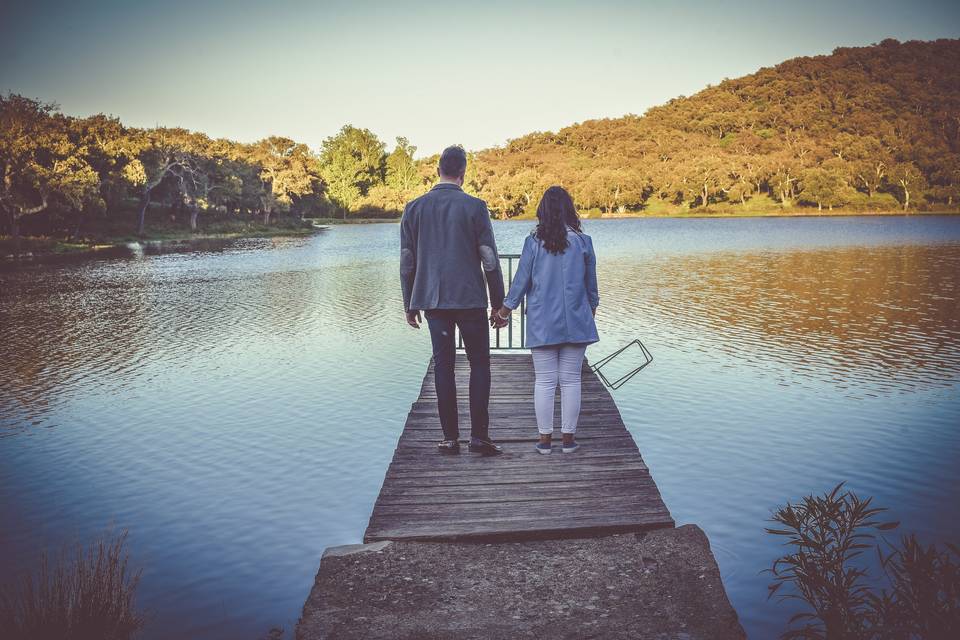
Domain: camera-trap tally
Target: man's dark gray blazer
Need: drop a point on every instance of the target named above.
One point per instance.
(446, 248)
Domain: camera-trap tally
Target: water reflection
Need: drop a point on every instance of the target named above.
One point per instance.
(59, 333)
(868, 319)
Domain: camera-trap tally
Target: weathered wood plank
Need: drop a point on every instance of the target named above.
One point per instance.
(604, 488)
(571, 498)
(417, 457)
(521, 530)
(467, 480)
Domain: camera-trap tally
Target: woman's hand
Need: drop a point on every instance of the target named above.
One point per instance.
(497, 318)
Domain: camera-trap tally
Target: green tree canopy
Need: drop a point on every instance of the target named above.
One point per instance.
(351, 162)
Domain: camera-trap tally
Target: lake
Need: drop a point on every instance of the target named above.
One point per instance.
(236, 409)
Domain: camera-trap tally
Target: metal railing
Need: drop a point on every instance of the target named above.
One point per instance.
(517, 317)
(597, 368)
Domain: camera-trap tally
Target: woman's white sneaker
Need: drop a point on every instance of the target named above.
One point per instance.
(570, 447)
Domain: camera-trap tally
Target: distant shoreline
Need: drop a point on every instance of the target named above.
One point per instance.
(778, 214)
(719, 214)
(47, 250)
(699, 215)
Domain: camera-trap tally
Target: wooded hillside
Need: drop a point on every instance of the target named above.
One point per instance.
(825, 131)
(869, 128)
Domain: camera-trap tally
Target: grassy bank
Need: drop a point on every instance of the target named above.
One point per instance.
(761, 206)
(797, 212)
(103, 237)
(98, 238)
(353, 220)
(800, 212)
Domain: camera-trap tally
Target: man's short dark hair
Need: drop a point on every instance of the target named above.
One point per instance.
(453, 161)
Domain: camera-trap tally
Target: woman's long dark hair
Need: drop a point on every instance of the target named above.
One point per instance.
(555, 213)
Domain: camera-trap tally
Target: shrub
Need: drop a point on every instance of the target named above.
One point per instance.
(829, 535)
(78, 595)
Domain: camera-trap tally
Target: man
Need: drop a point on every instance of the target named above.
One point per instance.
(446, 249)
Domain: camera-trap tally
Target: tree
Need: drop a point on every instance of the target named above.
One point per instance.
(107, 150)
(746, 178)
(161, 154)
(824, 186)
(784, 178)
(907, 180)
(711, 176)
(402, 174)
(382, 200)
(40, 162)
(351, 162)
(866, 158)
(288, 172)
(601, 188)
(945, 180)
(529, 185)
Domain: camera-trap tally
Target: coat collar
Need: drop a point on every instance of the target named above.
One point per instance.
(446, 185)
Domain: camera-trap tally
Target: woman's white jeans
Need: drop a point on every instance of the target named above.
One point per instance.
(557, 364)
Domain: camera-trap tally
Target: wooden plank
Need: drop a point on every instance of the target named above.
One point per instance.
(419, 457)
(530, 530)
(467, 480)
(544, 491)
(525, 509)
(605, 487)
(572, 498)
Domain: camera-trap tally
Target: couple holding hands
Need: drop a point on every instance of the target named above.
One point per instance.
(447, 250)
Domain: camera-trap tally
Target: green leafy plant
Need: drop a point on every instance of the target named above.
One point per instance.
(924, 601)
(825, 570)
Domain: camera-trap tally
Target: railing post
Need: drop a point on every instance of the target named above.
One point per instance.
(510, 280)
(510, 257)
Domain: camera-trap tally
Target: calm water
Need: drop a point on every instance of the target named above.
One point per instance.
(236, 409)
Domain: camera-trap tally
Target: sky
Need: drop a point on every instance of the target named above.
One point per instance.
(438, 73)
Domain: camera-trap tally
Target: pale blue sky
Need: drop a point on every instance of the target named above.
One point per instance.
(439, 73)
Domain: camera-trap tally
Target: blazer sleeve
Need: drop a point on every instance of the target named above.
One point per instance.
(590, 275)
(489, 258)
(408, 257)
(523, 279)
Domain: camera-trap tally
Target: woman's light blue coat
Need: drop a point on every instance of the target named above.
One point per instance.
(561, 291)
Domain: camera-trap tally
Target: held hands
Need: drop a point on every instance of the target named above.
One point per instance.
(499, 318)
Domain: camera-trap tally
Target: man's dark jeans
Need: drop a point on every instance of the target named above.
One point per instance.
(476, 339)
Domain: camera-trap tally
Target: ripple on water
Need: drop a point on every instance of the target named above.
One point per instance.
(236, 408)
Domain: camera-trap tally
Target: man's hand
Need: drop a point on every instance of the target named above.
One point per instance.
(497, 321)
(413, 319)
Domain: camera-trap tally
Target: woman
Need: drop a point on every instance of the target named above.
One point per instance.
(558, 274)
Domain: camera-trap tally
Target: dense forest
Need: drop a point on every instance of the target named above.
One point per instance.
(854, 129)
(871, 128)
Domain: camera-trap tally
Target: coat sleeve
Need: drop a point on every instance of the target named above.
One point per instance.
(590, 276)
(523, 279)
(489, 258)
(408, 257)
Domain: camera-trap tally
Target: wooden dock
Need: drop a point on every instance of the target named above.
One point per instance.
(603, 488)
